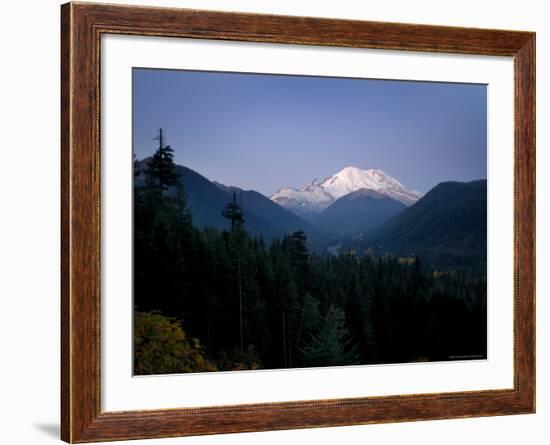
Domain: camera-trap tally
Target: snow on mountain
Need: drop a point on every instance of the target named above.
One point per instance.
(310, 199)
(320, 194)
(351, 179)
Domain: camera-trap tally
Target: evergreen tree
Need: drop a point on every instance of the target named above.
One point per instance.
(137, 170)
(330, 346)
(162, 237)
(299, 258)
(234, 213)
(236, 240)
(160, 171)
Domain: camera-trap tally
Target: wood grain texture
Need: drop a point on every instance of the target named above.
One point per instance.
(82, 26)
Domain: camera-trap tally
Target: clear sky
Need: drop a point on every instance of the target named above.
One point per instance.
(266, 132)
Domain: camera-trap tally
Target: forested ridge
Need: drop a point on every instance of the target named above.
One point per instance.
(208, 299)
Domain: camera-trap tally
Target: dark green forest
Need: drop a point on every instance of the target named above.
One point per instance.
(218, 300)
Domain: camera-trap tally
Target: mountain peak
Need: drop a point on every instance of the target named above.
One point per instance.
(318, 195)
(350, 169)
(353, 178)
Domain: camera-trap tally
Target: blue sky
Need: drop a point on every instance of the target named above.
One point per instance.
(266, 132)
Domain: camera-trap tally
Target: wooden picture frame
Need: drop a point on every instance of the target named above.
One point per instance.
(82, 26)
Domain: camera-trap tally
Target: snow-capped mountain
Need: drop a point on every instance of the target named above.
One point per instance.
(318, 195)
(310, 199)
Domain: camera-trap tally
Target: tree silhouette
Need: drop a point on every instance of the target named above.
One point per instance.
(330, 345)
(163, 234)
(234, 213)
(160, 171)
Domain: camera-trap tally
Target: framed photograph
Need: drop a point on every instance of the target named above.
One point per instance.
(274, 222)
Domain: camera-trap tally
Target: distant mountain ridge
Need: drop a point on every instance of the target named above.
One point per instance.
(319, 195)
(207, 200)
(357, 212)
(449, 222)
